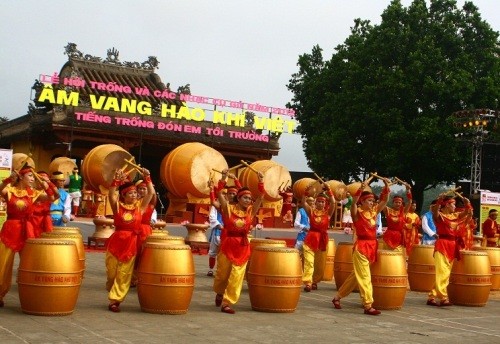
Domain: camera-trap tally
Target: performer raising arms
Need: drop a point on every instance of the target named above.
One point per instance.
(17, 190)
(446, 248)
(149, 217)
(235, 248)
(122, 245)
(316, 240)
(364, 216)
(394, 236)
(41, 219)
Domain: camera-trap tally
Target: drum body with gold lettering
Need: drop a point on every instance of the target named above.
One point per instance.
(274, 279)
(421, 268)
(389, 280)
(342, 266)
(165, 278)
(330, 261)
(76, 237)
(470, 279)
(49, 277)
(494, 255)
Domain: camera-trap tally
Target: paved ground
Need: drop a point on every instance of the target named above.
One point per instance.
(314, 320)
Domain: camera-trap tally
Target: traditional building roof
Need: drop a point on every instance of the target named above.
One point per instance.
(62, 123)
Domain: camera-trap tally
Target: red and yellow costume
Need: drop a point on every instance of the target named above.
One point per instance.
(491, 232)
(234, 253)
(315, 244)
(446, 249)
(122, 250)
(364, 254)
(15, 230)
(394, 235)
(42, 221)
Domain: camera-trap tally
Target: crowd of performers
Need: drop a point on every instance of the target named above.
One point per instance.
(31, 196)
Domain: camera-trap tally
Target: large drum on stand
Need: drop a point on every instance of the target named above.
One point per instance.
(421, 268)
(62, 164)
(49, 277)
(165, 278)
(100, 164)
(19, 159)
(300, 186)
(275, 176)
(389, 280)
(185, 172)
(470, 279)
(494, 255)
(274, 279)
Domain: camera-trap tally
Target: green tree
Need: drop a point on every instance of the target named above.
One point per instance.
(383, 101)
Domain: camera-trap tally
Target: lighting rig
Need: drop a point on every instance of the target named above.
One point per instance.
(477, 127)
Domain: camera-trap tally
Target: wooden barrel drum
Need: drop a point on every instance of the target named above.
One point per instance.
(421, 268)
(330, 261)
(389, 280)
(49, 277)
(166, 239)
(342, 266)
(165, 278)
(274, 279)
(470, 279)
(76, 238)
(494, 255)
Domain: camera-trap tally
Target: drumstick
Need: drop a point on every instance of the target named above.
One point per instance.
(235, 167)
(137, 167)
(319, 178)
(37, 177)
(247, 165)
(213, 169)
(374, 174)
(286, 184)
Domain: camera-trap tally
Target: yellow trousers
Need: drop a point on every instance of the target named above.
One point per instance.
(119, 276)
(360, 276)
(314, 265)
(6, 265)
(228, 279)
(443, 271)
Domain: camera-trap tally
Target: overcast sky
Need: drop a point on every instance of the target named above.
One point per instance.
(236, 50)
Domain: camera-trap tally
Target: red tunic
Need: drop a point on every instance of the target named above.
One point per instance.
(317, 236)
(123, 242)
(490, 229)
(18, 227)
(42, 222)
(146, 222)
(394, 235)
(234, 242)
(366, 232)
(447, 229)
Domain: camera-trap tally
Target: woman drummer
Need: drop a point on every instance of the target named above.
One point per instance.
(122, 245)
(235, 248)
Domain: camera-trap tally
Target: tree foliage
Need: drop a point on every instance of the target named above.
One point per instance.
(384, 99)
